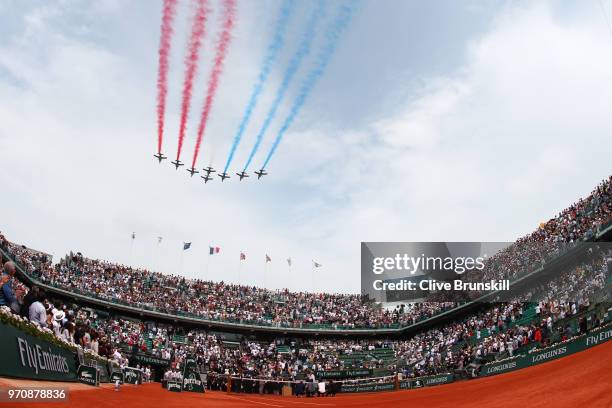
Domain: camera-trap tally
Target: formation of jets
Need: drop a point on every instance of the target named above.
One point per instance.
(207, 171)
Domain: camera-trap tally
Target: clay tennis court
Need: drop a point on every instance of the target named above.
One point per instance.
(579, 380)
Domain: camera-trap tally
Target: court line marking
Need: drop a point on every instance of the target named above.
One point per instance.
(301, 402)
(255, 402)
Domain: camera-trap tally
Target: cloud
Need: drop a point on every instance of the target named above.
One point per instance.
(506, 141)
(484, 152)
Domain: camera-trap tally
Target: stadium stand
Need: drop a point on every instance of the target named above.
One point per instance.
(219, 301)
(83, 302)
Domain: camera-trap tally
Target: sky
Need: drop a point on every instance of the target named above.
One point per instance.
(434, 121)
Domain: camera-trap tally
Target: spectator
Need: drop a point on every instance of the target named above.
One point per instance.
(57, 322)
(299, 388)
(321, 388)
(94, 341)
(28, 299)
(68, 332)
(7, 296)
(38, 313)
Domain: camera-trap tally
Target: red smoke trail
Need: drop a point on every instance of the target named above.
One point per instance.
(191, 67)
(213, 82)
(162, 72)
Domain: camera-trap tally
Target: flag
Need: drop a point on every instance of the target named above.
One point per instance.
(242, 256)
(268, 259)
(133, 235)
(289, 261)
(186, 245)
(315, 264)
(213, 250)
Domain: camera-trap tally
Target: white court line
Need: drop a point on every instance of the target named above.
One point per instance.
(255, 402)
(311, 403)
(323, 404)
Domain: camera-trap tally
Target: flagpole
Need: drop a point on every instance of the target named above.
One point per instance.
(207, 264)
(209, 260)
(156, 261)
(239, 267)
(155, 257)
(211, 266)
(131, 249)
(313, 277)
(181, 261)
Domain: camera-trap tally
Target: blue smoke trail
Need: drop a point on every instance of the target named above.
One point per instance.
(272, 52)
(331, 42)
(294, 64)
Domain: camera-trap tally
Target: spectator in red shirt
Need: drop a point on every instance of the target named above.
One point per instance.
(537, 337)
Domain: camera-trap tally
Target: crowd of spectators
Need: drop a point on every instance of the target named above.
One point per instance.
(562, 297)
(491, 333)
(496, 331)
(488, 334)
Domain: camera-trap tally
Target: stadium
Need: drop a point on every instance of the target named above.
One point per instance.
(128, 282)
(119, 322)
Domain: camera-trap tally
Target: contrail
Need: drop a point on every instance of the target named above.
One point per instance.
(332, 36)
(191, 66)
(294, 64)
(270, 57)
(169, 11)
(605, 14)
(213, 82)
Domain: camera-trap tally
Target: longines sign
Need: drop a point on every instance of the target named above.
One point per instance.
(583, 342)
(27, 356)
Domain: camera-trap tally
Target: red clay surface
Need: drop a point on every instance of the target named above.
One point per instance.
(580, 380)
